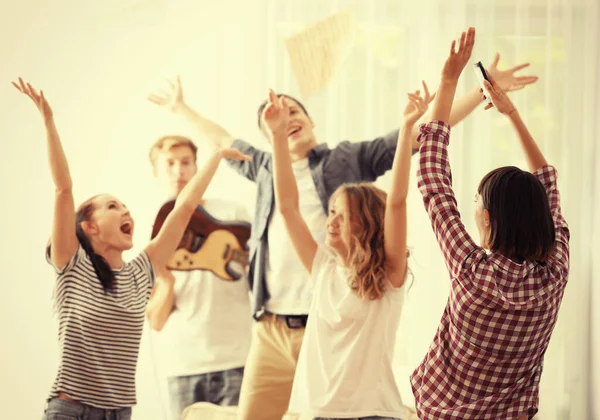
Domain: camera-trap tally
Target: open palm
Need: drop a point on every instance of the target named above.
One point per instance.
(506, 79)
(170, 98)
(38, 98)
(457, 59)
(417, 106)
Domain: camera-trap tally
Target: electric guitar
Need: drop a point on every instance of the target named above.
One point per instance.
(209, 244)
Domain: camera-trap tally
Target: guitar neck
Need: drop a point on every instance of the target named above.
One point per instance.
(240, 256)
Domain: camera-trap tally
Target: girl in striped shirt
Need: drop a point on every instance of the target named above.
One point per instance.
(99, 298)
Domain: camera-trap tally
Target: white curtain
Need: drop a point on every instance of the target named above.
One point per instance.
(594, 357)
(96, 67)
(398, 44)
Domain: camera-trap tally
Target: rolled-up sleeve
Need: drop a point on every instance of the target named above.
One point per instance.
(249, 169)
(375, 157)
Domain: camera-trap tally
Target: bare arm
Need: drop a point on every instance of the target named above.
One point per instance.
(286, 190)
(462, 107)
(560, 258)
(434, 177)
(217, 135)
(63, 240)
(395, 224)
(395, 211)
(173, 99)
(535, 158)
(162, 300)
(162, 247)
(446, 109)
(443, 103)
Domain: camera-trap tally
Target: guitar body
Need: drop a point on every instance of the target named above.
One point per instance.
(214, 255)
(209, 244)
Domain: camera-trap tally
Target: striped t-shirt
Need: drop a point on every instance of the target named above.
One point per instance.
(99, 333)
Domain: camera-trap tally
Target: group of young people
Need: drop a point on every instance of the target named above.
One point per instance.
(327, 271)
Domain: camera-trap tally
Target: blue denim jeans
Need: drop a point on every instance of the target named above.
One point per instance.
(220, 388)
(58, 409)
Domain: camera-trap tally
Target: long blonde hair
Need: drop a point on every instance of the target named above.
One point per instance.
(366, 261)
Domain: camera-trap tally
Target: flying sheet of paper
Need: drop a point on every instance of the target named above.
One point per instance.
(318, 52)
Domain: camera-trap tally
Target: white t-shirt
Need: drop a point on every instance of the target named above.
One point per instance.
(210, 327)
(286, 278)
(345, 364)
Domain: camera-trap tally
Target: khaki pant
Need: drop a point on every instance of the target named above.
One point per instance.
(269, 370)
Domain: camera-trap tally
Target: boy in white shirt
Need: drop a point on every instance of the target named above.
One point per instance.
(204, 321)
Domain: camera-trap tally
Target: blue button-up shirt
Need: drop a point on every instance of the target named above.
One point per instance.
(330, 168)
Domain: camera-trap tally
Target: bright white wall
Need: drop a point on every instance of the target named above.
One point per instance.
(96, 61)
(594, 380)
(96, 68)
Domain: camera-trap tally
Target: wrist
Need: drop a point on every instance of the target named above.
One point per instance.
(278, 133)
(448, 81)
(513, 114)
(219, 155)
(407, 128)
(179, 106)
(49, 120)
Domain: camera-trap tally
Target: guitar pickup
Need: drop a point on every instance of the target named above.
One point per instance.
(226, 252)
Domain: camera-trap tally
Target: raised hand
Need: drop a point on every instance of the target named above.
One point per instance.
(38, 98)
(234, 154)
(171, 98)
(417, 106)
(276, 114)
(457, 59)
(506, 79)
(499, 98)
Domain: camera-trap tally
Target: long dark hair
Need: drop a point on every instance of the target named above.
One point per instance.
(522, 228)
(101, 267)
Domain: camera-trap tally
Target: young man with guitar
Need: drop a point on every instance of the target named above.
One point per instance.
(280, 284)
(201, 302)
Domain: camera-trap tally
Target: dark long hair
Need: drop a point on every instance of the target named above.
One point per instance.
(101, 267)
(522, 228)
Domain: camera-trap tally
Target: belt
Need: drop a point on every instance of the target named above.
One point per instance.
(292, 321)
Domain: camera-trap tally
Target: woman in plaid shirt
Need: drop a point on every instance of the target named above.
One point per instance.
(486, 359)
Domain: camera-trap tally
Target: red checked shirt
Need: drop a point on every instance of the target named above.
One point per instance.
(486, 359)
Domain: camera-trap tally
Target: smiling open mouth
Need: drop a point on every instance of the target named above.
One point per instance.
(126, 228)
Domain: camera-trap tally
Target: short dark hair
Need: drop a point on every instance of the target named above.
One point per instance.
(522, 228)
(262, 106)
